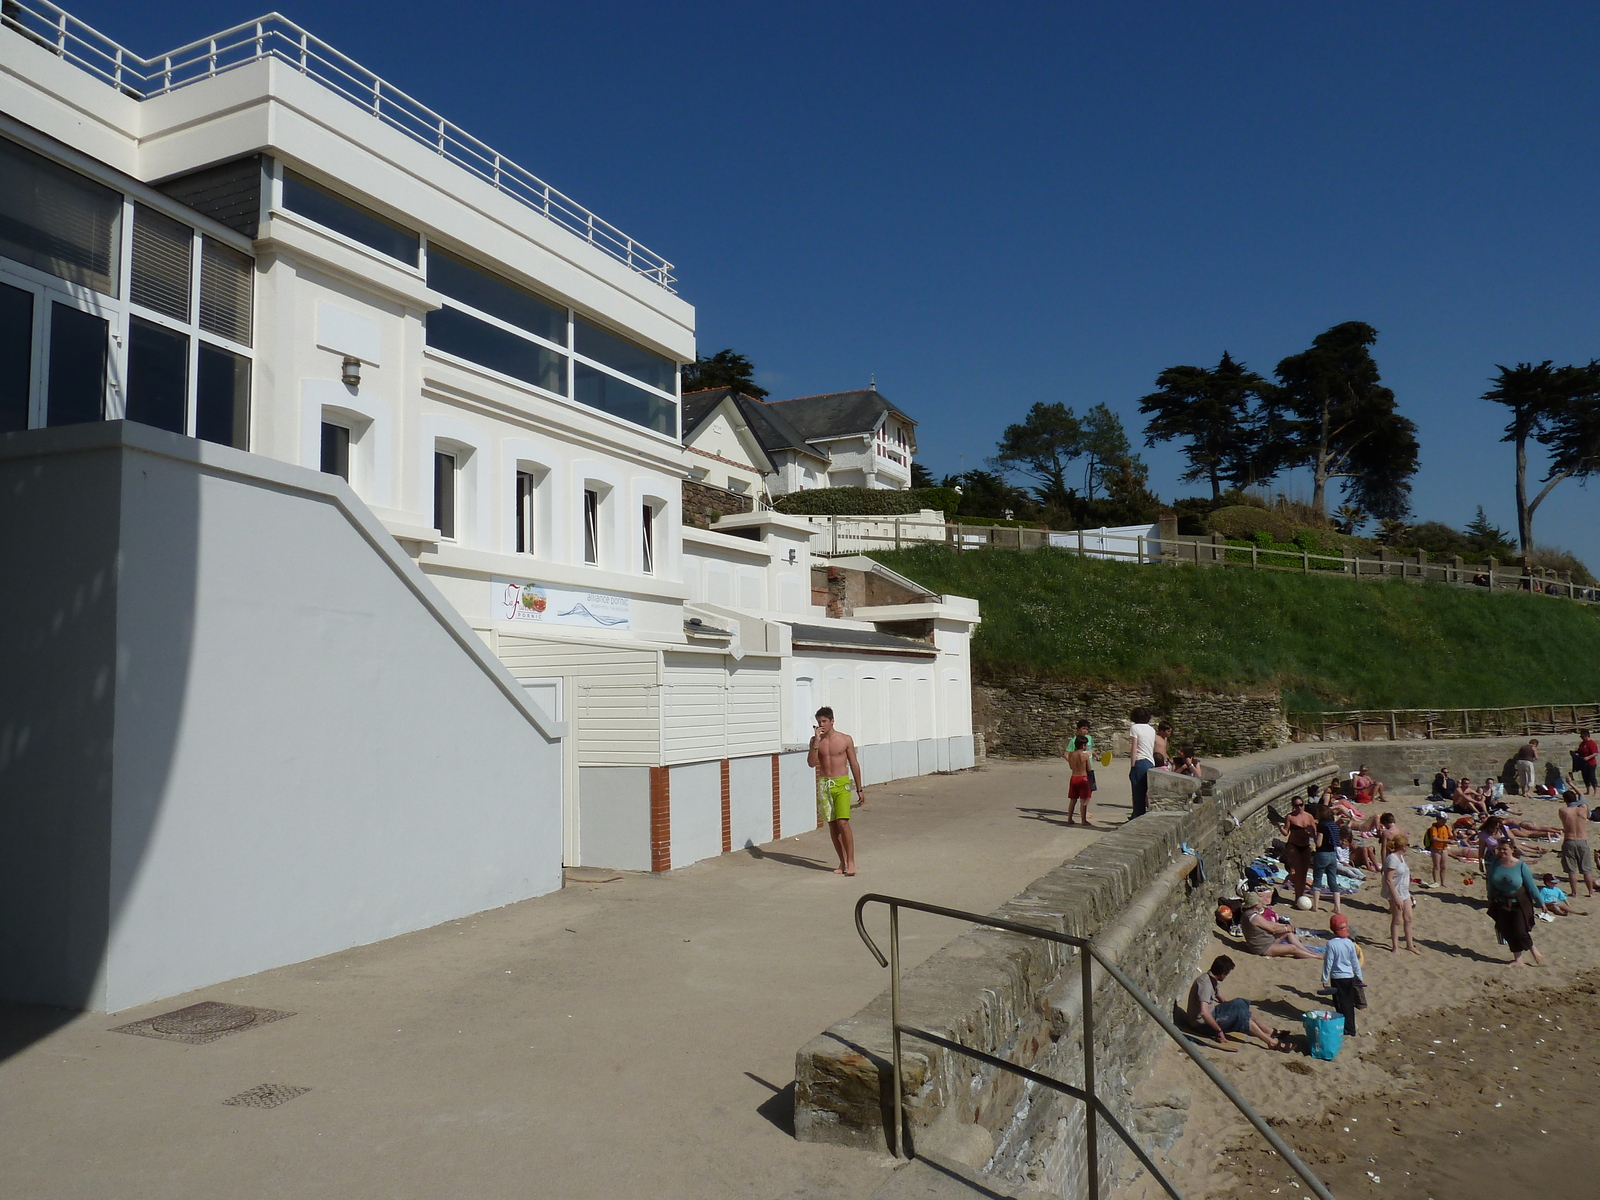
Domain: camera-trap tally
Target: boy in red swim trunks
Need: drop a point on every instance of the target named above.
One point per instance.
(1078, 788)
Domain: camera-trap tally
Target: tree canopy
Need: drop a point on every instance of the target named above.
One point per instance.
(1334, 416)
(1221, 413)
(725, 368)
(1555, 406)
(1042, 447)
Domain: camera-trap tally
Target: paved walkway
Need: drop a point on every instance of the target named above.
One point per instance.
(630, 1038)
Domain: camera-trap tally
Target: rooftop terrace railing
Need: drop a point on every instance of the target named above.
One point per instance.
(275, 36)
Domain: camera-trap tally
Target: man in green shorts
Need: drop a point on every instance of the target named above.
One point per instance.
(833, 755)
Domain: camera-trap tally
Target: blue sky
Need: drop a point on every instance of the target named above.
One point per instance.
(988, 205)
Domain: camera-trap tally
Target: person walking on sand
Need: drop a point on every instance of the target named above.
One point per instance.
(1341, 971)
(1300, 834)
(1141, 758)
(1577, 858)
(1397, 891)
(1325, 860)
(1526, 757)
(1078, 786)
(1088, 745)
(1437, 840)
(1511, 889)
(833, 755)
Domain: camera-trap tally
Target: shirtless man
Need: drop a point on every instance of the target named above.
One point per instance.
(1576, 856)
(1078, 785)
(833, 754)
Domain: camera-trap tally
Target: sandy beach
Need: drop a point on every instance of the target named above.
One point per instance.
(1468, 1079)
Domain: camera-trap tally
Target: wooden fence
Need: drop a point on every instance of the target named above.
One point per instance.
(862, 535)
(1412, 724)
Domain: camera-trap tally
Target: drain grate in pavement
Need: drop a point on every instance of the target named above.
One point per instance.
(202, 1023)
(267, 1095)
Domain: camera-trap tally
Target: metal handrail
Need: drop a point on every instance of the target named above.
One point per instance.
(1089, 954)
(274, 36)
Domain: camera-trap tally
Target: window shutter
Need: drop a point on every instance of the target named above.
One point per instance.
(55, 220)
(225, 287)
(161, 262)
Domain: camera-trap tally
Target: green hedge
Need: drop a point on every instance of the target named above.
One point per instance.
(866, 502)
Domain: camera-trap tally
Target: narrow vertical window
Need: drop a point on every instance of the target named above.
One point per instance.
(591, 527)
(79, 344)
(158, 376)
(222, 399)
(647, 539)
(525, 486)
(336, 450)
(16, 357)
(444, 494)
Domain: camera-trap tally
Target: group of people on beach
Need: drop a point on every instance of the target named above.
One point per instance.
(1149, 749)
(1327, 836)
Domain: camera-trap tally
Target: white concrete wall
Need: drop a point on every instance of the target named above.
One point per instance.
(750, 800)
(615, 819)
(696, 812)
(309, 749)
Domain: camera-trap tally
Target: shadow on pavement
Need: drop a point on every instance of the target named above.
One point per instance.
(23, 1024)
(793, 860)
(777, 1108)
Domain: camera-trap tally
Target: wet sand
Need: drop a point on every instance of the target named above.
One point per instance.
(1416, 1090)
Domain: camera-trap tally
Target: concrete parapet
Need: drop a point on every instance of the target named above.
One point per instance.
(1137, 894)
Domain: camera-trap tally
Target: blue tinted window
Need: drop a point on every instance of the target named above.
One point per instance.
(222, 398)
(490, 346)
(16, 357)
(622, 355)
(158, 376)
(359, 224)
(77, 387)
(495, 296)
(612, 395)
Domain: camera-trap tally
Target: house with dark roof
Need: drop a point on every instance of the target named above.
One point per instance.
(841, 439)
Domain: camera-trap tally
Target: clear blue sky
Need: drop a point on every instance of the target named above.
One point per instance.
(988, 205)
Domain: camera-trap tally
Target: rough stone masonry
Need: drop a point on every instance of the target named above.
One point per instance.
(1140, 898)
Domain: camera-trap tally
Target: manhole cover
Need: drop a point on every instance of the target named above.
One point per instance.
(267, 1095)
(202, 1023)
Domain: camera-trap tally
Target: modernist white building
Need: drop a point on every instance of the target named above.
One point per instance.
(345, 558)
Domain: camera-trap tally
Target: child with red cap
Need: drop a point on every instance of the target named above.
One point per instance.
(1341, 970)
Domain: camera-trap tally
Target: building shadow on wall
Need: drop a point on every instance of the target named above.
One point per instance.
(97, 620)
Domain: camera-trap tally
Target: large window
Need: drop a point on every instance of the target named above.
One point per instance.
(56, 221)
(492, 322)
(358, 224)
(166, 344)
(496, 324)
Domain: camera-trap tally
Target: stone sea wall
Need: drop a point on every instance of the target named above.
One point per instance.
(1032, 718)
(1140, 898)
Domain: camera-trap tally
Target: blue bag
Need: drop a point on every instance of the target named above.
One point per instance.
(1324, 1033)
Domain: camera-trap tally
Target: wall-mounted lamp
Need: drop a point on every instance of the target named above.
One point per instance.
(351, 372)
(792, 557)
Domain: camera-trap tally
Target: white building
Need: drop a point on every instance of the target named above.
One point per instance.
(342, 471)
(842, 439)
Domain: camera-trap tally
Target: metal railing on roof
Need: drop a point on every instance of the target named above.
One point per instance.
(275, 36)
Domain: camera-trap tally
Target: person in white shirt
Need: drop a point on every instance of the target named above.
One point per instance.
(1141, 757)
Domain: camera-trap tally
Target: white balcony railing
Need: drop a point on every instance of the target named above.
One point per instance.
(275, 36)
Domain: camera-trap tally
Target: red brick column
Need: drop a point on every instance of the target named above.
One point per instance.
(727, 810)
(777, 810)
(660, 819)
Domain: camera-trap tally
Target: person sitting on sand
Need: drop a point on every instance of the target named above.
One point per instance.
(1367, 788)
(1551, 898)
(1469, 800)
(1269, 937)
(1211, 1015)
(1363, 858)
(1511, 891)
(1444, 786)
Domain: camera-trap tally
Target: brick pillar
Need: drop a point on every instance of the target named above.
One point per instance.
(660, 819)
(777, 808)
(727, 810)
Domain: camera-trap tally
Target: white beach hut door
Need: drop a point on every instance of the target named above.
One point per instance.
(550, 696)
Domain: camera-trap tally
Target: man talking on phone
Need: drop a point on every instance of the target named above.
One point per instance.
(833, 754)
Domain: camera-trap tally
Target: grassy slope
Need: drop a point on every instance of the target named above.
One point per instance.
(1327, 643)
